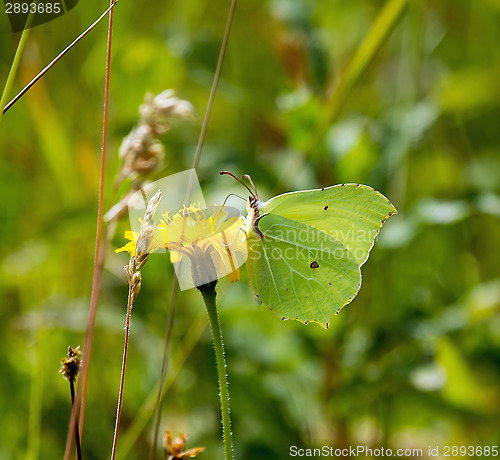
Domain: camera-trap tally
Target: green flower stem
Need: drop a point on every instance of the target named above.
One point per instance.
(209, 294)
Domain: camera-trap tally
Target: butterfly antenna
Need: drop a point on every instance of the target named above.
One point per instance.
(222, 173)
(246, 176)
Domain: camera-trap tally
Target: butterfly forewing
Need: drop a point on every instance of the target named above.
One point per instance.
(352, 214)
(300, 272)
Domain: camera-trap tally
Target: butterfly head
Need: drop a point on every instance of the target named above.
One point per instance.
(254, 204)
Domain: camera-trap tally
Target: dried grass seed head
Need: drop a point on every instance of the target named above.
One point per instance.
(71, 365)
(157, 111)
(141, 153)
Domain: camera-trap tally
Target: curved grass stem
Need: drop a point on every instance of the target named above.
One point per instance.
(208, 292)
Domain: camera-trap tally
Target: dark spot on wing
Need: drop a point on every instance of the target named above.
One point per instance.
(306, 322)
(325, 208)
(314, 264)
(330, 284)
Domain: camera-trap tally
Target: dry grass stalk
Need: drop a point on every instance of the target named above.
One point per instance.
(134, 276)
(142, 246)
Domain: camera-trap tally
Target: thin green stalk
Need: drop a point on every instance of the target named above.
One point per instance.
(208, 292)
(15, 64)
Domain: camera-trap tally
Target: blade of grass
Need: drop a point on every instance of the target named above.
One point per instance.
(13, 68)
(385, 22)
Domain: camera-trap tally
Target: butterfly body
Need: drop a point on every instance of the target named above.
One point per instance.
(252, 220)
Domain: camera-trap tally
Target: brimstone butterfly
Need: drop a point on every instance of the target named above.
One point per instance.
(306, 249)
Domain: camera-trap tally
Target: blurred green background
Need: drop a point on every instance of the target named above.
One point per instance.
(403, 96)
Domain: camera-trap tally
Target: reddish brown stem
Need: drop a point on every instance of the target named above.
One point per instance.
(81, 388)
(122, 378)
(98, 264)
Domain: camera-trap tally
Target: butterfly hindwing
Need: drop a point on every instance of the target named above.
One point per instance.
(300, 272)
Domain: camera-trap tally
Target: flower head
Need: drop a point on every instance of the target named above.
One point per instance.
(175, 449)
(203, 246)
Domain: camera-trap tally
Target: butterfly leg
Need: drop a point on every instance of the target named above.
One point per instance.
(234, 239)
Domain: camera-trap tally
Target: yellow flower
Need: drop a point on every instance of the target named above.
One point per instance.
(203, 247)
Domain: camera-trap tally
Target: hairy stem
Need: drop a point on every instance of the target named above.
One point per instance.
(208, 292)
